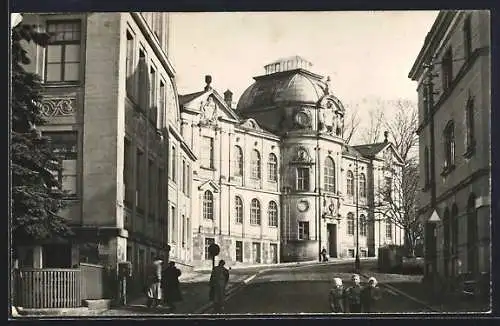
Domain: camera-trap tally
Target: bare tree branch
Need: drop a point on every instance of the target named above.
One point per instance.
(352, 122)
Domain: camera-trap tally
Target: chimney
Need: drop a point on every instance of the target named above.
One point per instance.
(228, 98)
(208, 80)
(386, 134)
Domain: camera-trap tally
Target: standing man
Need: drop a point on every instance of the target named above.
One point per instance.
(154, 281)
(171, 288)
(218, 283)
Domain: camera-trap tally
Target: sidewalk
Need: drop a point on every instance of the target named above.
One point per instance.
(446, 304)
(194, 288)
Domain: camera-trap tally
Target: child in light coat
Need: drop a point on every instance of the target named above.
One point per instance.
(337, 296)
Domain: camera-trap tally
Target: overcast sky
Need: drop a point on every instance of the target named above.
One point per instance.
(365, 54)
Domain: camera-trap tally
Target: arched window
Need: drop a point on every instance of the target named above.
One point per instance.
(350, 183)
(363, 226)
(208, 205)
(362, 185)
(238, 162)
(449, 145)
(446, 241)
(350, 223)
(472, 236)
(255, 163)
(272, 168)
(272, 212)
(329, 175)
(255, 212)
(238, 209)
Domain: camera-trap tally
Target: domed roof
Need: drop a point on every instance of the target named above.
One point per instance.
(286, 81)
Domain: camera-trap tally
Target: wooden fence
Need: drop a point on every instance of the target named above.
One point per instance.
(49, 288)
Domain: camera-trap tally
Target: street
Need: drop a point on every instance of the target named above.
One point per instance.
(305, 290)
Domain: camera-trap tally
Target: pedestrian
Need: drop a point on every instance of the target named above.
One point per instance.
(154, 283)
(369, 295)
(353, 295)
(218, 282)
(323, 255)
(337, 296)
(172, 289)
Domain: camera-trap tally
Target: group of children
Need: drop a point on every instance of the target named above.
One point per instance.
(355, 299)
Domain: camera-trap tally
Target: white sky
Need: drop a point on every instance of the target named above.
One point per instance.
(366, 54)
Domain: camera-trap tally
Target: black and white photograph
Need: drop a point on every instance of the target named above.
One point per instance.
(169, 164)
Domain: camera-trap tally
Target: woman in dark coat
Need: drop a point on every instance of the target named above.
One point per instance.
(369, 295)
(171, 285)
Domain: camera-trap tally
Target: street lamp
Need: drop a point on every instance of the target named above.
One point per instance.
(357, 262)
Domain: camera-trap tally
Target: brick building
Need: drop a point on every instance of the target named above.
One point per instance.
(113, 116)
(453, 75)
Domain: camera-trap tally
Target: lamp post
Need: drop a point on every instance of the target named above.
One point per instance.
(357, 262)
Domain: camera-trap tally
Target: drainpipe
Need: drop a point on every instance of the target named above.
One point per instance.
(167, 177)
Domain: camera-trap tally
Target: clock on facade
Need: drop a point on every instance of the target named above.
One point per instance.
(329, 104)
(303, 205)
(302, 119)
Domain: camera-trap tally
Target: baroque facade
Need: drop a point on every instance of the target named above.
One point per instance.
(112, 114)
(275, 180)
(453, 74)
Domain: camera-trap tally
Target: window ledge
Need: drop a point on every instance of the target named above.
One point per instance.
(273, 226)
(447, 170)
(62, 84)
(207, 168)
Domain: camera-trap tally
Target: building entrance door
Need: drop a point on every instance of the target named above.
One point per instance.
(332, 239)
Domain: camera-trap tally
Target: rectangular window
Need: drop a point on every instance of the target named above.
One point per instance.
(159, 185)
(143, 81)
(189, 181)
(449, 145)
(153, 105)
(139, 178)
(239, 251)
(388, 188)
(152, 178)
(173, 160)
(173, 217)
(63, 51)
(303, 230)
(207, 152)
(303, 179)
(471, 142)
(467, 37)
(130, 66)
(188, 232)
(183, 231)
(161, 106)
(363, 253)
(350, 253)
(64, 145)
(126, 171)
(256, 252)
(184, 178)
(388, 229)
(447, 69)
(208, 242)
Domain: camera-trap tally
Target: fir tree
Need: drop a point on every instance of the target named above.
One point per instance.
(36, 198)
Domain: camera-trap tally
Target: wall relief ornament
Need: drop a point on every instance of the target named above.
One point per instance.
(58, 106)
(302, 156)
(209, 110)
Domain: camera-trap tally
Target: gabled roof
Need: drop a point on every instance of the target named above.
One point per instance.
(209, 184)
(371, 150)
(183, 99)
(350, 150)
(186, 99)
(252, 124)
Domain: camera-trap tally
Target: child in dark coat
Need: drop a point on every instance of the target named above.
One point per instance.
(369, 295)
(353, 295)
(337, 296)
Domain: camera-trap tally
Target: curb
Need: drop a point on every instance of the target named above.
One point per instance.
(398, 291)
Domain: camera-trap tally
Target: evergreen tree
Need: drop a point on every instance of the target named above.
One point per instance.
(36, 194)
